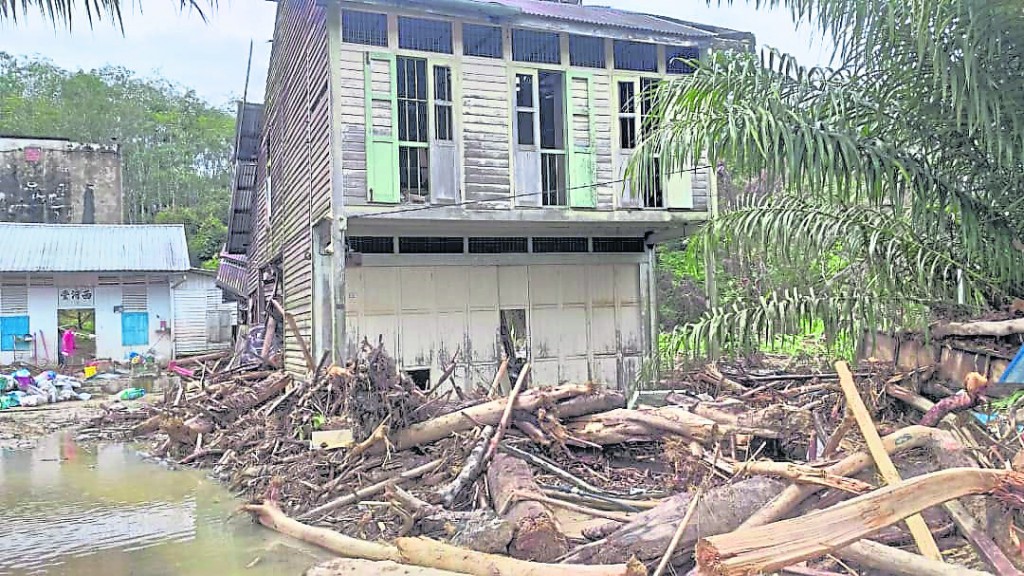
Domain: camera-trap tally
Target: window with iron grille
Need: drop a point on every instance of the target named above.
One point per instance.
(364, 28)
(498, 245)
(534, 46)
(551, 94)
(675, 56)
(636, 56)
(423, 34)
(547, 245)
(443, 103)
(430, 245)
(648, 94)
(618, 245)
(627, 115)
(483, 41)
(587, 51)
(525, 109)
(371, 244)
(413, 130)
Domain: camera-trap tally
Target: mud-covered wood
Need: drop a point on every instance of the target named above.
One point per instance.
(720, 510)
(536, 534)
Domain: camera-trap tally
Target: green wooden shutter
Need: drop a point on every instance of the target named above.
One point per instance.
(381, 130)
(679, 188)
(582, 136)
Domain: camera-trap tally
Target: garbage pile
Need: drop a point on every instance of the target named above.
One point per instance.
(20, 388)
(740, 470)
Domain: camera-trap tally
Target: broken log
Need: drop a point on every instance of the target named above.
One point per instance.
(269, 515)
(998, 328)
(773, 546)
(974, 387)
(471, 469)
(297, 334)
(536, 534)
(374, 489)
(488, 413)
(903, 439)
(479, 530)
(922, 536)
(506, 415)
(805, 474)
(621, 426)
(426, 553)
(896, 562)
(598, 401)
(357, 567)
(245, 398)
(647, 535)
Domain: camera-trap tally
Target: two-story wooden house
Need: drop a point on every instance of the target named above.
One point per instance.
(440, 172)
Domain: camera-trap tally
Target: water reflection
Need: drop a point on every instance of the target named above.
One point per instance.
(69, 509)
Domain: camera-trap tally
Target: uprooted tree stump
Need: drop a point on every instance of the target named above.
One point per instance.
(535, 533)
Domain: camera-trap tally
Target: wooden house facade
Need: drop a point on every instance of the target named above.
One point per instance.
(450, 177)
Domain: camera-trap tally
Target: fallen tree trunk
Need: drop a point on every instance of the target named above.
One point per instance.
(357, 567)
(479, 530)
(373, 489)
(773, 546)
(999, 328)
(246, 398)
(896, 562)
(471, 469)
(600, 401)
(621, 426)
(427, 553)
(648, 534)
(536, 535)
(486, 414)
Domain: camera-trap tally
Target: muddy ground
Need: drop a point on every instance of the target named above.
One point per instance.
(21, 428)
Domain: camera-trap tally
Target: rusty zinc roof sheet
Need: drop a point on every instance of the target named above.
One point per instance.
(93, 248)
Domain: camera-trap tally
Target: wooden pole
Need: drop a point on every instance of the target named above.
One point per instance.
(922, 535)
(310, 362)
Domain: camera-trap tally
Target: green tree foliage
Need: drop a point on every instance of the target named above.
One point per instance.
(897, 174)
(176, 148)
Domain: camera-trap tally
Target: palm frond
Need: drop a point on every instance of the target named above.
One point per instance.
(63, 12)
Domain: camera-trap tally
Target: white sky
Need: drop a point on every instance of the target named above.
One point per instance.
(210, 57)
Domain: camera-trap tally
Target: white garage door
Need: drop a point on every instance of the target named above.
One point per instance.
(583, 320)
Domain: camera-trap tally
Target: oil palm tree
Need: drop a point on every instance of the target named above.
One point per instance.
(899, 170)
(61, 11)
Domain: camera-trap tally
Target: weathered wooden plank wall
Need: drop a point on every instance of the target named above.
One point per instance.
(297, 137)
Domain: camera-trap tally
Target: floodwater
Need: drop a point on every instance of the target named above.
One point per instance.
(103, 510)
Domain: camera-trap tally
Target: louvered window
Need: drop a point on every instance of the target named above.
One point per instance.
(13, 299)
(134, 298)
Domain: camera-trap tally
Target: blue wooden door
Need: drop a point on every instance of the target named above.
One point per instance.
(135, 328)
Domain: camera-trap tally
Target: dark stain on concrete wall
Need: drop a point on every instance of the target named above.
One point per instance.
(58, 181)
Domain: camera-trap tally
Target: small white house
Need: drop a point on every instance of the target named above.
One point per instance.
(203, 321)
(110, 284)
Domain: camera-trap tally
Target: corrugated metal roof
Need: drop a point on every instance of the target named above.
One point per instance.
(601, 16)
(93, 248)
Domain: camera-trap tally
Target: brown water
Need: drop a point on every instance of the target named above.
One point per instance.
(103, 510)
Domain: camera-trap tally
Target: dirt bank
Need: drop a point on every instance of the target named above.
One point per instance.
(20, 428)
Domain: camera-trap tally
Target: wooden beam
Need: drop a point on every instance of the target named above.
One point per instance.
(922, 535)
(310, 362)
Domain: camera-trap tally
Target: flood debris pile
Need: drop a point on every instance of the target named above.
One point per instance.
(738, 472)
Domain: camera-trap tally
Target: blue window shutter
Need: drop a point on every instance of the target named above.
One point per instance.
(11, 329)
(135, 328)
